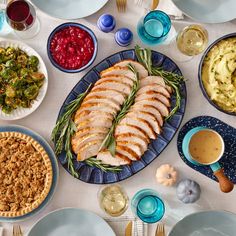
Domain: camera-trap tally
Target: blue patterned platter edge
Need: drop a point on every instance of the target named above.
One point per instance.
(228, 133)
(55, 169)
(94, 175)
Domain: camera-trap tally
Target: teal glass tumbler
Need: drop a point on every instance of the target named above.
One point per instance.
(148, 206)
(154, 27)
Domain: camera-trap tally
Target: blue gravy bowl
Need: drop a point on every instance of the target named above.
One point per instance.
(225, 184)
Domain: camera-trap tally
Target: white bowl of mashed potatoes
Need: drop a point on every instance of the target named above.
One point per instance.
(217, 74)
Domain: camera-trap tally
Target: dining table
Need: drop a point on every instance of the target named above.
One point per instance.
(71, 192)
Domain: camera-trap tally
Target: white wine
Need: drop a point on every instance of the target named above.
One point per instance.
(113, 200)
(192, 40)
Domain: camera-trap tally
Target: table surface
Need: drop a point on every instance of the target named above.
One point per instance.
(73, 193)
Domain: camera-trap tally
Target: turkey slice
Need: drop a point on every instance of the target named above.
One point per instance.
(154, 87)
(119, 78)
(127, 151)
(153, 94)
(149, 109)
(141, 123)
(156, 103)
(117, 160)
(150, 118)
(138, 66)
(118, 70)
(135, 147)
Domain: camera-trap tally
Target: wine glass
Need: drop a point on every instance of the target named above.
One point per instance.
(21, 16)
(148, 206)
(113, 200)
(189, 42)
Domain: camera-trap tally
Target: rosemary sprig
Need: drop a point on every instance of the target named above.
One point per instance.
(174, 80)
(109, 142)
(93, 161)
(65, 128)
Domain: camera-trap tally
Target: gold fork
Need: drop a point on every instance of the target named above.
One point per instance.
(121, 5)
(160, 231)
(17, 231)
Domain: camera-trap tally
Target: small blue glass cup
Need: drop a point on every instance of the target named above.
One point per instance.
(148, 206)
(154, 27)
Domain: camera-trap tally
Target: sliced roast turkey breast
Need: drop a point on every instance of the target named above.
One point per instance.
(130, 137)
(127, 151)
(149, 109)
(119, 78)
(124, 88)
(135, 147)
(111, 94)
(86, 114)
(105, 100)
(117, 160)
(103, 121)
(156, 103)
(88, 150)
(153, 94)
(79, 142)
(118, 70)
(133, 129)
(138, 66)
(141, 123)
(154, 87)
(150, 118)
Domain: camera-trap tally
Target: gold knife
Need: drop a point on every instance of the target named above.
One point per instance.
(128, 229)
(154, 4)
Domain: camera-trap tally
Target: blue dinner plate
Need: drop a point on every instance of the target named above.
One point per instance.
(208, 11)
(206, 223)
(55, 169)
(71, 222)
(94, 175)
(69, 9)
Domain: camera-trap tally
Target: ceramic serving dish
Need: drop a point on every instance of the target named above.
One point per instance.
(200, 73)
(66, 25)
(94, 175)
(21, 112)
(55, 169)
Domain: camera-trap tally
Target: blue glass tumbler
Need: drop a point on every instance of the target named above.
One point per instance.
(148, 206)
(154, 27)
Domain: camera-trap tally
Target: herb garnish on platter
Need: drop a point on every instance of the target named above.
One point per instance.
(174, 80)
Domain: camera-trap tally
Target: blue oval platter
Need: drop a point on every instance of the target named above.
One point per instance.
(94, 175)
(55, 169)
(228, 133)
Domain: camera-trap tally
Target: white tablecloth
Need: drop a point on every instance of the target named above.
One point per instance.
(73, 193)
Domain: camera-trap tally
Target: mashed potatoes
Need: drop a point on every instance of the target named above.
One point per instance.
(219, 74)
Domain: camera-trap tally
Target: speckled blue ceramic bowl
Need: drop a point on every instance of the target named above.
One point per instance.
(200, 73)
(85, 28)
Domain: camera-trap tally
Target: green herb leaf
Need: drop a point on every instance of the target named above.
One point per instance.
(94, 162)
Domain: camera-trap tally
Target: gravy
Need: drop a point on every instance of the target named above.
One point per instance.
(205, 146)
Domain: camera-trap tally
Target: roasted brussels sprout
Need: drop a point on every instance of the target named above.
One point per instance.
(31, 92)
(37, 76)
(11, 64)
(33, 60)
(10, 92)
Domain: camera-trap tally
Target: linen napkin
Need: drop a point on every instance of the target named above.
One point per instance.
(169, 8)
(1, 231)
(119, 224)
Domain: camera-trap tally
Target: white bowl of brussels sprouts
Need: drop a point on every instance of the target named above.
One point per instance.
(23, 80)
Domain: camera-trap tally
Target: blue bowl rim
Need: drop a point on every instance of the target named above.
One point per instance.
(88, 30)
(200, 73)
